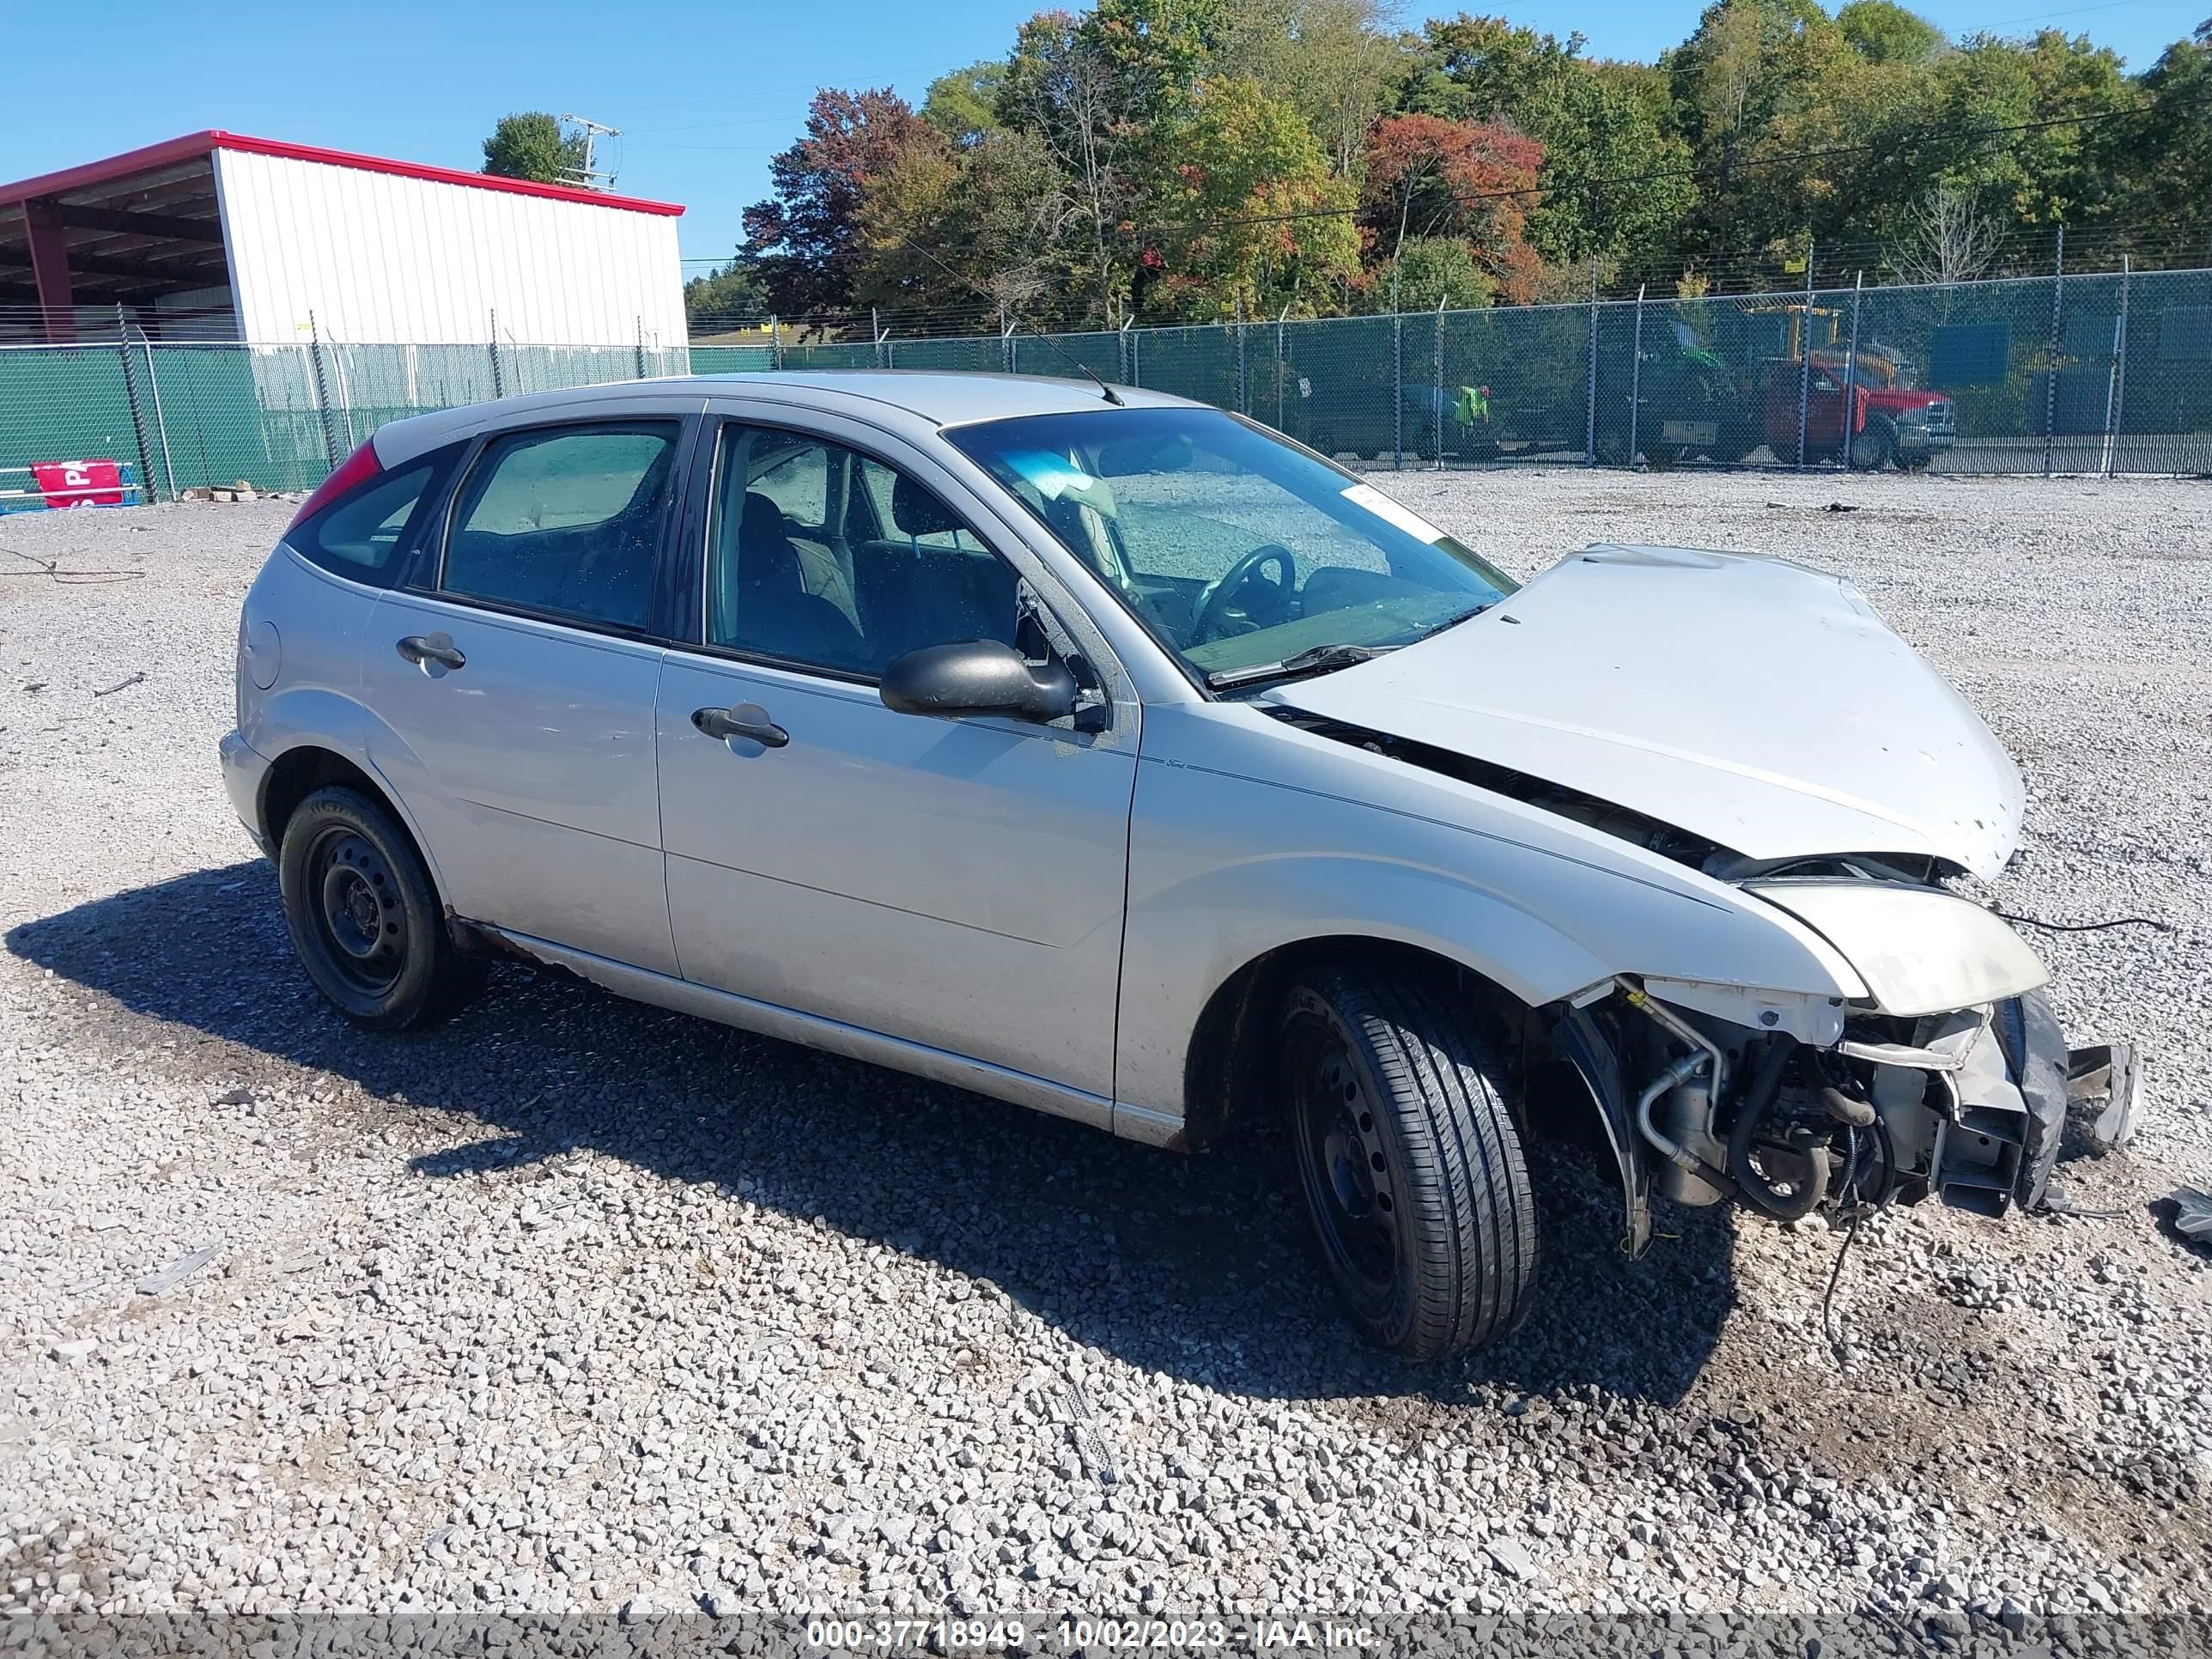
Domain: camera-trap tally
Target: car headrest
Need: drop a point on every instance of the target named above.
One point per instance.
(766, 558)
(918, 513)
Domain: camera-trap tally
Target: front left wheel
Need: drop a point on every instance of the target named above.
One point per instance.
(1410, 1163)
(364, 918)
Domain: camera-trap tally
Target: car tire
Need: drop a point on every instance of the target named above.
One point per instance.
(1409, 1160)
(1873, 446)
(364, 917)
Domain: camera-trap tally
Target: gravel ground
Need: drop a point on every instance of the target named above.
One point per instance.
(577, 1305)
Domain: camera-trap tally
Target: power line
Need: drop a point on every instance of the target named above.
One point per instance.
(774, 92)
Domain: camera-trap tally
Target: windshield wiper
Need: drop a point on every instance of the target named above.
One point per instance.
(1454, 621)
(1310, 660)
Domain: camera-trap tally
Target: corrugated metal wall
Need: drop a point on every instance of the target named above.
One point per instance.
(378, 256)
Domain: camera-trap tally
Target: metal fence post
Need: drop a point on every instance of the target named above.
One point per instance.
(323, 393)
(775, 341)
(640, 347)
(1136, 364)
(1005, 341)
(1439, 410)
(498, 385)
(1126, 349)
(1243, 385)
(1589, 428)
(2115, 406)
(161, 420)
(1279, 321)
(876, 329)
(1635, 379)
(137, 417)
(2051, 368)
(1397, 388)
(1805, 359)
(1851, 374)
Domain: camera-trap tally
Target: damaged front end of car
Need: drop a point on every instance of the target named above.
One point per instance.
(1950, 1077)
(1913, 1053)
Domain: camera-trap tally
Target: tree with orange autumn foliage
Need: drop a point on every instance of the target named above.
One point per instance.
(1473, 181)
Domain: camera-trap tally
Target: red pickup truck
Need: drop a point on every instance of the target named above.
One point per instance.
(1888, 423)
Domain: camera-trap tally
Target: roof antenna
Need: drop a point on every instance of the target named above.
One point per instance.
(1108, 391)
(1112, 396)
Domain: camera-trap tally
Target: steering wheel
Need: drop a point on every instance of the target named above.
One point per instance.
(1213, 603)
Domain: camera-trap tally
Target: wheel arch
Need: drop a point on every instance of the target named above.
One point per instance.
(306, 767)
(1568, 1076)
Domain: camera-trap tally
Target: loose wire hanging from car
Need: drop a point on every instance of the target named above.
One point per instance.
(2082, 927)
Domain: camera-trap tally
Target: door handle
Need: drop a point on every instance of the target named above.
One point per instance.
(746, 720)
(423, 650)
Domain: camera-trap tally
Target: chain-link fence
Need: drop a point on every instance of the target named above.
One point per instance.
(2109, 372)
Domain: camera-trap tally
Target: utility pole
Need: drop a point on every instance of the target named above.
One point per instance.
(589, 176)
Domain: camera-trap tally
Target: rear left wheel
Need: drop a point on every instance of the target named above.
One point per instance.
(364, 919)
(1410, 1164)
(1872, 447)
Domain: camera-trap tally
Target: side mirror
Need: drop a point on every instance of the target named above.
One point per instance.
(977, 677)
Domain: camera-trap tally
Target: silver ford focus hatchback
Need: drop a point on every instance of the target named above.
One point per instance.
(1109, 754)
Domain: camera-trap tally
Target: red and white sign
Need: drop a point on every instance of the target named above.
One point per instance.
(79, 483)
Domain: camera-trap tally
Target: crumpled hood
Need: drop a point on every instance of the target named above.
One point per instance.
(1753, 701)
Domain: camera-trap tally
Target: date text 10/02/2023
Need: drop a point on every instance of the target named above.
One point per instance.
(1078, 1635)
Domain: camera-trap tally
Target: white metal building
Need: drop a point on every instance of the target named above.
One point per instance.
(275, 237)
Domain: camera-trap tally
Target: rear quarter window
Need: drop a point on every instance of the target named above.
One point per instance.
(362, 535)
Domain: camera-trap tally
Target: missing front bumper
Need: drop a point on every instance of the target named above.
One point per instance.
(2004, 1089)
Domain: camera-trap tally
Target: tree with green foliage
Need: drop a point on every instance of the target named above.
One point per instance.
(1883, 32)
(531, 145)
(966, 229)
(733, 291)
(1094, 113)
(1189, 157)
(2049, 174)
(1261, 222)
(1596, 123)
(963, 106)
(1427, 272)
(2162, 160)
(805, 241)
(1332, 60)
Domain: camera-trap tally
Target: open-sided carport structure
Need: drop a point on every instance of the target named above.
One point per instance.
(141, 230)
(219, 235)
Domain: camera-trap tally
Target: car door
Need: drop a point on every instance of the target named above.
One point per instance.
(955, 884)
(515, 675)
(1824, 411)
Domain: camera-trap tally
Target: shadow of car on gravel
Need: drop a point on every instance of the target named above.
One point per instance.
(1196, 1265)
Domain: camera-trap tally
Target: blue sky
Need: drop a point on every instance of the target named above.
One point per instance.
(704, 94)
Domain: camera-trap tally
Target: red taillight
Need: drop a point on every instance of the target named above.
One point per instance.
(357, 468)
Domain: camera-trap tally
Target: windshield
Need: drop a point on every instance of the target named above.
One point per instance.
(1249, 559)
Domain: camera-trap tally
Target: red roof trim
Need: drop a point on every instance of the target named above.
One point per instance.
(171, 151)
(149, 159)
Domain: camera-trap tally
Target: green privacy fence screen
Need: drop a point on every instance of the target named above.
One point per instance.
(2097, 374)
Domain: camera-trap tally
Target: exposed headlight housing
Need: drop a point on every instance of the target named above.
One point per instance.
(1919, 951)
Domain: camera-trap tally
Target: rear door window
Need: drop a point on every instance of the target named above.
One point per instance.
(565, 520)
(361, 535)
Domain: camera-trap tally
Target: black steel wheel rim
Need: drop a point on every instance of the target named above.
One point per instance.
(354, 903)
(1338, 1131)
